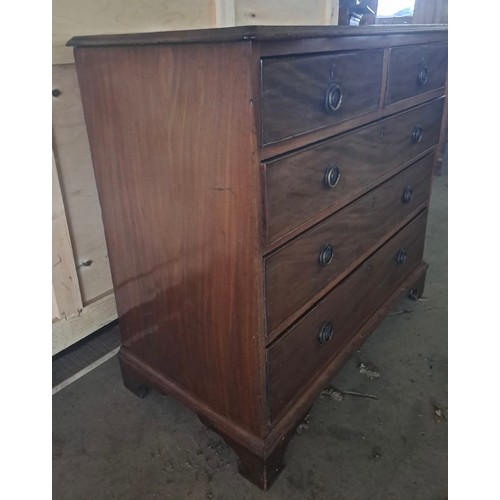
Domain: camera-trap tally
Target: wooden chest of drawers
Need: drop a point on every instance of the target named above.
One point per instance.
(264, 193)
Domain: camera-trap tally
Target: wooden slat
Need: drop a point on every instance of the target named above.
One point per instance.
(224, 13)
(331, 12)
(55, 309)
(65, 291)
(91, 318)
(78, 186)
(93, 17)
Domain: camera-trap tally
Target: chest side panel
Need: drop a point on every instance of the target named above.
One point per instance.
(173, 146)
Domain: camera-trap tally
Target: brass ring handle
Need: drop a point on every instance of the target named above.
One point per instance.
(325, 333)
(417, 133)
(401, 256)
(333, 98)
(326, 255)
(332, 176)
(407, 194)
(423, 75)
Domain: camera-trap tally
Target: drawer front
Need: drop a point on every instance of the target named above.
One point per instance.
(305, 93)
(416, 69)
(303, 268)
(319, 178)
(341, 313)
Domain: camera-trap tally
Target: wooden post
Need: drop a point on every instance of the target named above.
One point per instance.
(224, 13)
(66, 288)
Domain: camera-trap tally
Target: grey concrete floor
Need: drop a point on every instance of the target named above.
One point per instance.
(109, 444)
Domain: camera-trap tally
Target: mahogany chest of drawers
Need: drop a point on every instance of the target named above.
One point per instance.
(264, 192)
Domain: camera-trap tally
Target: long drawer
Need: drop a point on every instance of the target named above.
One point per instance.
(304, 184)
(416, 69)
(304, 93)
(318, 336)
(325, 253)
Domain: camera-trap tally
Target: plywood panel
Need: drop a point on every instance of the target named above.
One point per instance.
(332, 12)
(55, 309)
(91, 318)
(65, 287)
(78, 186)
(301, 12)
(93, 17)
(224, 13)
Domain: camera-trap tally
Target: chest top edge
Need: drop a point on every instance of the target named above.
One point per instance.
(252, 33)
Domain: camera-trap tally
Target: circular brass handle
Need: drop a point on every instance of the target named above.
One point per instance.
(333, 98)
(326, 255)
(417, 133)
(401, 256)
(325, 333)
(332, 176)
(407, 194)
(423, 75)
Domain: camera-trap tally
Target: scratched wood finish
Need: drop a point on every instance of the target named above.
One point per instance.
(295, 184)
(295, 272)
(347, 307)
(406, 62)
(178, 182)
(294, 91)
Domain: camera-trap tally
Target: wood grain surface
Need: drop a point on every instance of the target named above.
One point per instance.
(294, 91)
(178, 181)
(347, 307)
(406, 62)
(295, 187)
(294, 277)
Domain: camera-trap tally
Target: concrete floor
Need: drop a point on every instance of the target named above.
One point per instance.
(109, 444)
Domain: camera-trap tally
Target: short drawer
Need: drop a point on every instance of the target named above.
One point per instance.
(304, 184)
(305, 93)
(304, 350)
(324, 254)
(416, 69)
